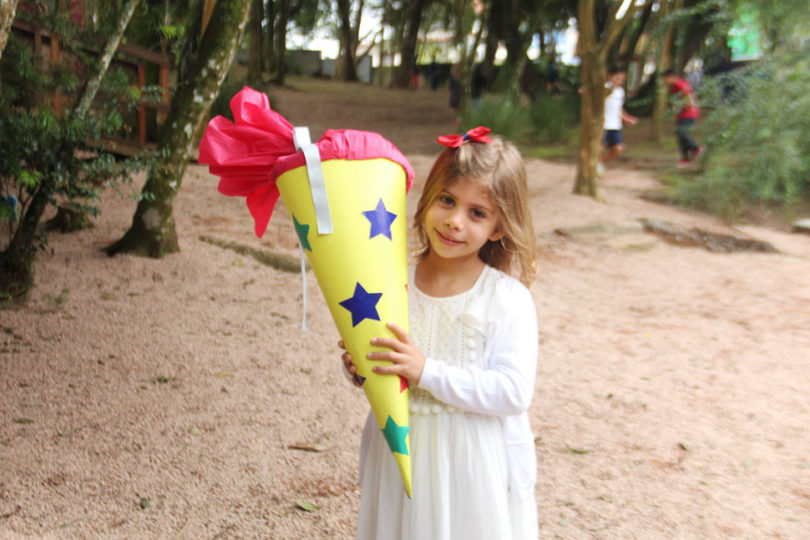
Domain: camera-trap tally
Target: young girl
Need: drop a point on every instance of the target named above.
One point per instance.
(470, 359)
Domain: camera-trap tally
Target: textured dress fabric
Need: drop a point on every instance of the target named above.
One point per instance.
(472, 447)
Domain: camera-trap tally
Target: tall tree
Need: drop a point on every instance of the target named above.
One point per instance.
(280, 35)
(152, 232)
(402, 78)
(40, 148)
(93, 83)
(348, 34)
(595, 41)
(255, 42)
(8, 9)
(663, 62)
(520, 21)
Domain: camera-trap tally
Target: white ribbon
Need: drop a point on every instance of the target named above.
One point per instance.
(317, 187)
(317, 184)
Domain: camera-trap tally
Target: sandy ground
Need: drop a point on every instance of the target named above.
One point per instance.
(160, 398)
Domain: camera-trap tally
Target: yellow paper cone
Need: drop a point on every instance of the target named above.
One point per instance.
(362, 270)
(351, 185)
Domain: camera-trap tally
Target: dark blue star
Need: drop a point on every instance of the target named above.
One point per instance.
(362, 305)
(381, 220)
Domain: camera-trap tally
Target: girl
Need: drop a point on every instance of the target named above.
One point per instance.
(470, 359)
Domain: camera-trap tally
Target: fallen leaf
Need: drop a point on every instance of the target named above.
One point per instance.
(306, 506)
(309, 447)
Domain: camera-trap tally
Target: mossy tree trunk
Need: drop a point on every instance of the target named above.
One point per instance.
(152, 232)
(664, 62)
(594, 47)
(8, 8)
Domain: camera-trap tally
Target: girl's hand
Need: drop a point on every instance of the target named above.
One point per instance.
(349, 367)
(408, 361)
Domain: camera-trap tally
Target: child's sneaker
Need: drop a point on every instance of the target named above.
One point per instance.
(683, 163)
(698, 152)
(600, 170)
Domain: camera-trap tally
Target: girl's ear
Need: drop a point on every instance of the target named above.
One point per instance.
(496, 235)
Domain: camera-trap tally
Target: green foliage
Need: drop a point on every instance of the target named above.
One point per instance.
(548, 119)
(48, 156)
(222, 104)
(502, 115)
(756, 132)
(554, 116)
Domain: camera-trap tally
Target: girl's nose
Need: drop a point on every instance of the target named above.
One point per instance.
(453, 220)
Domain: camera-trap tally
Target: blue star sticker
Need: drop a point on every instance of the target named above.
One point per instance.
(381, 220)
(362, 305)
(395, 435)
(303, 232)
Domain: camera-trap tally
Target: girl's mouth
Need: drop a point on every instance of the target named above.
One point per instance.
(447, 240)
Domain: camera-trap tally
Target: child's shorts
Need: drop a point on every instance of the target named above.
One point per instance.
(613, 137)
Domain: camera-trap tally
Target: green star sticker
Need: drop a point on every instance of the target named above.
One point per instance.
(395, 435)
(302, 231)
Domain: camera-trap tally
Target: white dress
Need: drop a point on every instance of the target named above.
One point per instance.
(472, 449)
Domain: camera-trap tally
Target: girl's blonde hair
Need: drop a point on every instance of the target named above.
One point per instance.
(499, 167)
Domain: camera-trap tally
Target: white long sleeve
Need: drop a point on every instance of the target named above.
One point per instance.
(504, 387)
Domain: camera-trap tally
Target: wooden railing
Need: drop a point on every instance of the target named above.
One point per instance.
(142, 66)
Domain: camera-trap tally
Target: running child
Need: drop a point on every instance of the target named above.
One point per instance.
(615, 116)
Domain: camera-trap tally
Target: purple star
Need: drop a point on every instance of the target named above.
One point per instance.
(381, 220)
(362, 305)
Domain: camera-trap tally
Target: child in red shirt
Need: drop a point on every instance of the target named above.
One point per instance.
(686, 118)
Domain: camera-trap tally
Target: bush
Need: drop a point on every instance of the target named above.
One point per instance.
(554, 116)
(502, 115)
(756, 132)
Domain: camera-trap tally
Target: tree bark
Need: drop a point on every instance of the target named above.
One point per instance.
(8, 9)
(408, 50)
(281, 41)
(93, 83)
(152, 232)
(663, 62)
(593, 51)
(255, 56)
(346, 69)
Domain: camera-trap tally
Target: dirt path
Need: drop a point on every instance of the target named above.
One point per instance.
(160, 398)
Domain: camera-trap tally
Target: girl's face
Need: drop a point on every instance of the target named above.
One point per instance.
(460, 220)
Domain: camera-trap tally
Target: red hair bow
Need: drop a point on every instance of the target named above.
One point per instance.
(478, 134)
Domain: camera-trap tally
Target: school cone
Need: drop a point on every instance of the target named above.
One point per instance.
(346, 199)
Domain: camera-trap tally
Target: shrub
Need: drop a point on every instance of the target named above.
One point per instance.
(756, 132)
(554, 116)
(505, 117)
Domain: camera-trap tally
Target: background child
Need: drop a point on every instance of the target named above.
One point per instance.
(615, 116)
(687, 116)
(470, 359)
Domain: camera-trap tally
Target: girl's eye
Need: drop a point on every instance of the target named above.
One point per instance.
(478, 214)
(446, 200)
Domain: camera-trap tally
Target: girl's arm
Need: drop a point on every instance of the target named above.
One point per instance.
(506, 386)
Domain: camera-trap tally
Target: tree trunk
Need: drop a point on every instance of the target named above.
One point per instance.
(635, 35)
(8, 9)
(255, 60)
(93, 83)
(346, 68)
(593, 51)
(17, 260)
(152, 232)
(269, 36)
(408, 50)
(592, 113)
(281, 41)
(664, 61)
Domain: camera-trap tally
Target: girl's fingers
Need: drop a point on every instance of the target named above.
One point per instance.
(401, 334)
(341, 345)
